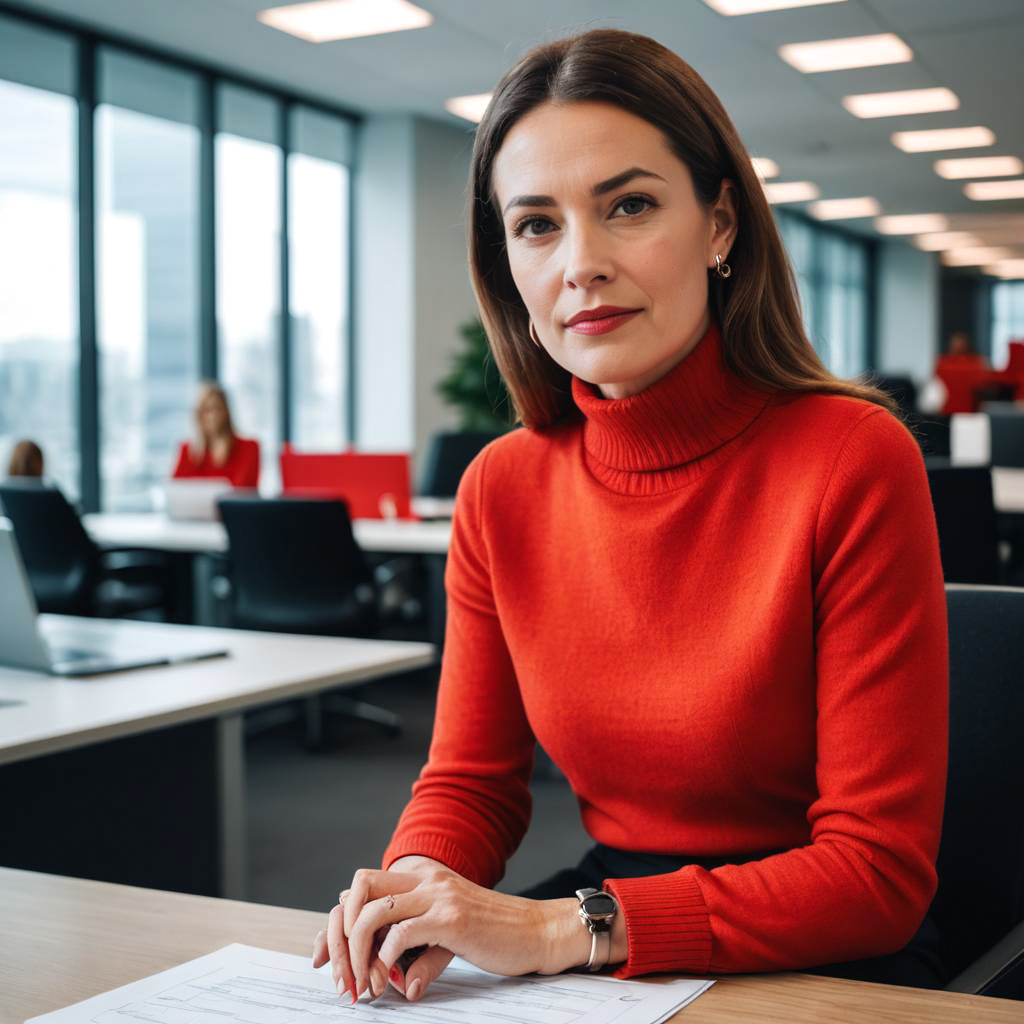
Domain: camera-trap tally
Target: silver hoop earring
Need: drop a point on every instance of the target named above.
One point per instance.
(722, 269)
(533, 336)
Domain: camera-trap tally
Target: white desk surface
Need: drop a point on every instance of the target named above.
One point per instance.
(1008, 489)
(153, 530)
(52, 714)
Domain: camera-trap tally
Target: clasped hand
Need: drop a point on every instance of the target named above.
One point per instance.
(437, 914)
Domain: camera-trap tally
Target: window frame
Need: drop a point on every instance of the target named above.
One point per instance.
(87, 41)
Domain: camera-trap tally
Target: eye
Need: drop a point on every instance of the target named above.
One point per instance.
(531, 227)
(633, 206)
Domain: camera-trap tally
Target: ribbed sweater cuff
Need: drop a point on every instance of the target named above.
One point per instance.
(667, 924)
(438, 847)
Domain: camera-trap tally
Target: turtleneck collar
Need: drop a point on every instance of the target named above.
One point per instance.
(694, 410)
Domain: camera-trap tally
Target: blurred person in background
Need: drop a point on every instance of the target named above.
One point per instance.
(217, 450)
(26, 460)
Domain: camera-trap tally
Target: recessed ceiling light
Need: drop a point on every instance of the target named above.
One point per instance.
(936, 139)
(906, 101)
(730, 8)
(1011, 269)
(841, 209)
(974, 256)
(325, 20)
(979, 167)
(939, 241)
(791, 191)
(764, 168)
(985, 190)
(470, 107)
(840, 54)
(911, 223)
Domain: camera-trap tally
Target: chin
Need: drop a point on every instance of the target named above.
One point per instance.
(603, 365)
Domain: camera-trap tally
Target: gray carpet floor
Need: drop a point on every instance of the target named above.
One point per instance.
(314, 817)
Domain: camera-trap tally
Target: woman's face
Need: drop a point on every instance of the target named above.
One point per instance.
(599, 212)
(213, 416)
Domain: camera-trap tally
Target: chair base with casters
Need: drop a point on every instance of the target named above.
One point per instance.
(294, 567)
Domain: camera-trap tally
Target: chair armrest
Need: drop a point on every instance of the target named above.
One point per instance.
(999, 972)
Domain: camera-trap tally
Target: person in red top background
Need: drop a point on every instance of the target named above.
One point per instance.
(705, 577)
(962, 372)
(217, 451)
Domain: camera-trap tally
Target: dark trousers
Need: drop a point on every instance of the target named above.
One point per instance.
(918, 964)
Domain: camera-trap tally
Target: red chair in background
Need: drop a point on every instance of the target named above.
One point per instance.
(375, 486)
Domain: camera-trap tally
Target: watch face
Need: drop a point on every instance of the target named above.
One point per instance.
(599, 904)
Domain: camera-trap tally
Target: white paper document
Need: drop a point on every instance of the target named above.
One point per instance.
(244, 985)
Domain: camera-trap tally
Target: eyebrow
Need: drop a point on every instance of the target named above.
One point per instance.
(600, 189)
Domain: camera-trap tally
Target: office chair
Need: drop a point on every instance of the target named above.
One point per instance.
(68, 572)
(448, 455)
(902, 388)
(1007, 432)
(979, 905)
(295, 567)
(966, 518)
(932, 433)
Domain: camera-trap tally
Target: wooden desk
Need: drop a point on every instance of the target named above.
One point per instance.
(139, 776)
(64, 940)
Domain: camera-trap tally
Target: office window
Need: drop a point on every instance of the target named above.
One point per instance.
(147, 176)
(248, 161)
(832, 271)
(1007, 319)
(318, 240)
(38, 261)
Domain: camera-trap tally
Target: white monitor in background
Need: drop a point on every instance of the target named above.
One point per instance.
(970, 439)
(194, 499)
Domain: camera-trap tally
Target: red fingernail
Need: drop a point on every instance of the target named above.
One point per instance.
(396, 974)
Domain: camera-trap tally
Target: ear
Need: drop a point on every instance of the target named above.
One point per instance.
(722, 223)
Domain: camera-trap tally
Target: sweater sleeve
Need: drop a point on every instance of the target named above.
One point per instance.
(864, 883)
(471, 805)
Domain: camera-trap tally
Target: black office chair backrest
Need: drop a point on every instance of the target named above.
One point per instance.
(981, 858)
(62, 562)
(1007, 434)
(932, 433)
(901, 388)
(448, 455)
(296, 567)
(966, 518)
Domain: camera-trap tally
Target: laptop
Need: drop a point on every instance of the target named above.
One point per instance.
(194, 499)
(65, 646)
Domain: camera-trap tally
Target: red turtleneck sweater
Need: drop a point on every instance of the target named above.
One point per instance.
(721, 612)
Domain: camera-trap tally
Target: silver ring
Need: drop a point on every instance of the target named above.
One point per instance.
(391, 901)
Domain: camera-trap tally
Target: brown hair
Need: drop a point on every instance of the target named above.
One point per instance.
(26, 460)
(764, 341)
(210, 389)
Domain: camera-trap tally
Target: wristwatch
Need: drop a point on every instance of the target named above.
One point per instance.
(597, 911)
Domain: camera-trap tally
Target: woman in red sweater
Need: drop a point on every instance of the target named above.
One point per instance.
(217, 450)
(705, 578)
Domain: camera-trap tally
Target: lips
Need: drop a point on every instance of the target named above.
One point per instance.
(598, 313)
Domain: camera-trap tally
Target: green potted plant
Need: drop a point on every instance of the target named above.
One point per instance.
(473, 385)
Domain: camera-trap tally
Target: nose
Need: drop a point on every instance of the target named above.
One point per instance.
(587, 260)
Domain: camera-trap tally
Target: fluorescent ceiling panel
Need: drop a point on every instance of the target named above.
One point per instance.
(911, 223)
(906, 101)
(842, 54)
(764, 168)
(975, 256)
(843, 209)
(979, 167)
(1008, 269)
(323, 21)
(936, 139)
(731, 8)
(939, 241)
(791, 191)
(469, 107)
(987, 190)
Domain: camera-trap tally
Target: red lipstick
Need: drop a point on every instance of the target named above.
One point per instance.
(600, 320)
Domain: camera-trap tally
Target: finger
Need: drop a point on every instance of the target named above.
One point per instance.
(425, 970)
(377, 915)
(320, 952)
(337, 949)
(368, 884)
(412, 934)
